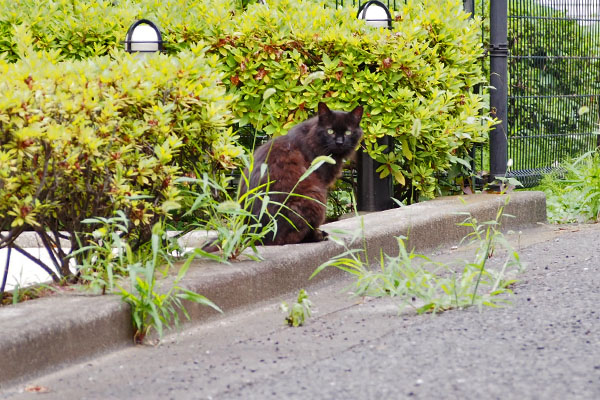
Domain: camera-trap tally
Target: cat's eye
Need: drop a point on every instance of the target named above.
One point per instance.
(348, 133)
(330, 131)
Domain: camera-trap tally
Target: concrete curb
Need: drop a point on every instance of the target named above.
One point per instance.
(37, 336)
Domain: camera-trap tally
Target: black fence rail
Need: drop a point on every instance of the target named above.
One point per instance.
(390, 4)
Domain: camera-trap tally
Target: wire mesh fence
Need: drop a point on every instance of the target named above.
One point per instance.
(553, 83)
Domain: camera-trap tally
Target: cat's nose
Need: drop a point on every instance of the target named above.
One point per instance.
(339, 140)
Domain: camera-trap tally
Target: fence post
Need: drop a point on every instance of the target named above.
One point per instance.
(374, 193)
(469, 7)
(499, 83)
(598, 134)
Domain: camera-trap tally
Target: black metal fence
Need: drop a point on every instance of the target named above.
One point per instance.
(544, 63)
(552, 84)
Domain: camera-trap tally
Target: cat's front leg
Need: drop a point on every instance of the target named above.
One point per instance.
(315, 235)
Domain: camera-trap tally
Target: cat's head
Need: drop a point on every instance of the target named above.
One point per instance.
(338, 132)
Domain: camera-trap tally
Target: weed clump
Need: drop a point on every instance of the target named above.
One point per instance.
(430, 286)
(573, 190)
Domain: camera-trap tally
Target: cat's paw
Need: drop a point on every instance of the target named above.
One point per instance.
(316, 235)
(320, 235)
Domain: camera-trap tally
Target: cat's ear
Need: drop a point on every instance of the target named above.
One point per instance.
(324, 112)
(357, 113)
(323, 109)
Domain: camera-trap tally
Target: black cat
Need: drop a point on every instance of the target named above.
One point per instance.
(329, 133)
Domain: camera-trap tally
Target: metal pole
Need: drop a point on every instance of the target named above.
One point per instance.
(499, 83)
(598, 134)
(469, 6)
(374, 193)
(5, 275)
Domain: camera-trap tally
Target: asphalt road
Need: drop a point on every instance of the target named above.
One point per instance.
(545, 345)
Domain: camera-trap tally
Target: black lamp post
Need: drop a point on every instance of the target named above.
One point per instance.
(376, 14)
(143, 36)
(374, 193)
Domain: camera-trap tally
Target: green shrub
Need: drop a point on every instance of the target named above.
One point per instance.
(415, 81)
(78, 29)
(85, 28)
(81, 139)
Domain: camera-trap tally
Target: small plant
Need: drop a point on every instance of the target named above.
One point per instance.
(339, 199)
(150, 308)
(105, 258)
(497, 184)
(20, 294)
(236, 228)
(299, 312)
(573, 190)
(502, 184)
(436, 286)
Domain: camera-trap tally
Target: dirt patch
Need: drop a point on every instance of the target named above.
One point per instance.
(19, 295)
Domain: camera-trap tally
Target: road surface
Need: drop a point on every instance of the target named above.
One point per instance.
(545, 345)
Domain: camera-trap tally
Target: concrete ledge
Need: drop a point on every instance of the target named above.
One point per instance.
(41, 334)
(37, 336)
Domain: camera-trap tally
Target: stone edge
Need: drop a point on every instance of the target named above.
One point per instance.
(38, 336)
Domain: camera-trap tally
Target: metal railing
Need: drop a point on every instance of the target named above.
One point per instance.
(552, 84)
(544, 66)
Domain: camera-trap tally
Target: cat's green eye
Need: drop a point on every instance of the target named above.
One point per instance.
(330, 131)
(348, 133)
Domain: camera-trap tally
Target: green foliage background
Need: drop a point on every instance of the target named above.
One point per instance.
(86, 138)
(85, 125)
(554, 88)
(416, 80)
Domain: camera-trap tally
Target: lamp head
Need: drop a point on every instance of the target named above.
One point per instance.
(143, 36)
(376, 14)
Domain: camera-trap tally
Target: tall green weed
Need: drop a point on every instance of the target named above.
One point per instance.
(152, 307)
(110, 262)
(573, 190)
(431, 286)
